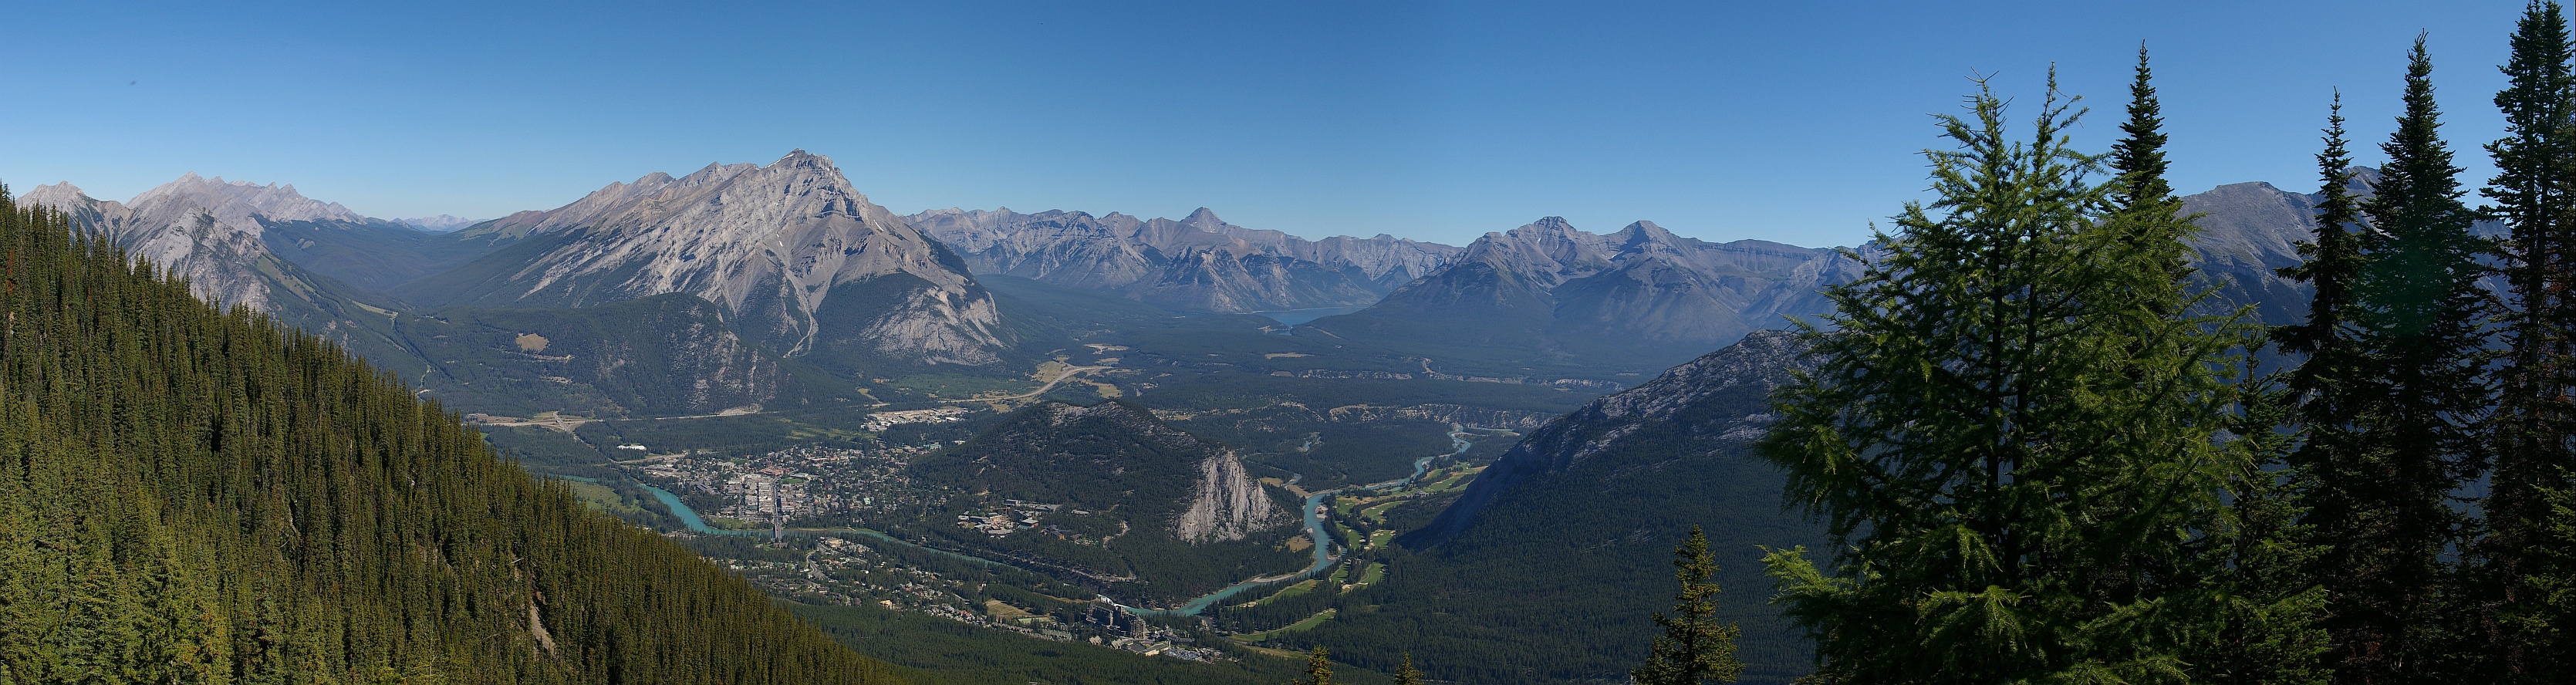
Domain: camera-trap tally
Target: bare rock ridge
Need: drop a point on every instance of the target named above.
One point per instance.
(1225, 505)
(779, 247)
(206, 229)
(1198, 263)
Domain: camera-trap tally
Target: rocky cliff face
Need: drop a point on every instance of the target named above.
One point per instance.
(1198, 263)
(797, 257)
(1225, 504)
(206, 229)
(215, 233)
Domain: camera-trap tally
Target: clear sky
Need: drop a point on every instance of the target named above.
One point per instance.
(1800, 122)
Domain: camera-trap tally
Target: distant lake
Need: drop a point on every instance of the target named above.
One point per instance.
(1294, 317)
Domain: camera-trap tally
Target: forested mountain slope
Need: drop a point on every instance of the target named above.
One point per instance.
(190, 496)
(1548, 568)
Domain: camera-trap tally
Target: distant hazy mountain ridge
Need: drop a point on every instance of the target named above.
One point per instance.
(1198, 263)
(437, 224)
(1547, 291)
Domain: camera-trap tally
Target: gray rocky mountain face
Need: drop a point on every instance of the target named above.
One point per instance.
(801, 260)
(2248, 230)
(1198, 263)
(206, 229)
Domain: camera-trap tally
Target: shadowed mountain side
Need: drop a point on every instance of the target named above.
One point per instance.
(1558, 550)
(659, 356)
(372, 255)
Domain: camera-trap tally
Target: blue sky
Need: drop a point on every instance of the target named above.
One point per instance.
(1789, 121)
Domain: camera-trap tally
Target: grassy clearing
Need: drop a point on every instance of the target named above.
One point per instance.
(1301, 587)
(1309, 623)
(1374, 573)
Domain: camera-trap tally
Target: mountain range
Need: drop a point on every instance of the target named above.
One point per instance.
(1199, 263)
(779, 286)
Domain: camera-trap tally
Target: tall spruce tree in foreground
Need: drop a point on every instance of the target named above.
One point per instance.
(2331, 266)
(2535, 419)
(1694, 648)
(2325, 386)
(2409, 433)
(2026, 458)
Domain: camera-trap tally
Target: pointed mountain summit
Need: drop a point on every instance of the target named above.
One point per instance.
(801, 261)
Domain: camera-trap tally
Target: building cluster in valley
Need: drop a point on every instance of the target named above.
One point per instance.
(880, 421)
(1011, 516)
(841, 571)
(805, 485)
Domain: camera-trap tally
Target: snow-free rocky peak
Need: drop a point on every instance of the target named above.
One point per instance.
(771, 244)
(206, 229)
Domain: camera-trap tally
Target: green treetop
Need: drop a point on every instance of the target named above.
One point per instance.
(2028, 462)
(1694, 648)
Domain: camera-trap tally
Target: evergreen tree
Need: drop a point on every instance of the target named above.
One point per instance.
(2392, 405)
(1319, 669)
(2024, 447)
(2144, 210)
(1694, 649)
(2535, 419)
(2139, 157)
(2331, 266)
(1406, 675)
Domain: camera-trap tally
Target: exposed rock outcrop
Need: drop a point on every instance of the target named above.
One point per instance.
(780, 247)
(1226, 504)
(206, 229)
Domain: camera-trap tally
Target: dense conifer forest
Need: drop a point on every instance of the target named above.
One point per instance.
(190, 495)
